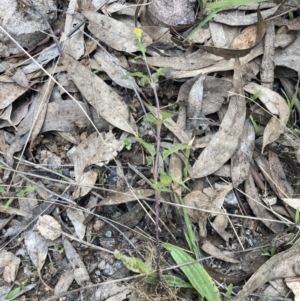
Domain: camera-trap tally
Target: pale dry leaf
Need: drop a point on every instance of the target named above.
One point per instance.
(74, 45)
(291, 24)
(294, 285)
(77, 218)
(219, 224)
(85, 184)
(192, 62)
(277, 106)
(37, 248)
(218, 35)
(79, 270)
(281, 265)
(212, 250)
(101, 96)
(9, 265)
(12, 210)
(40, 109)
(241, 158)
(294, 203)
(48, 226)
(113, 70)
(20, 78)
(225, 141)
(9, 93)
(6, 116)
(258, 208)
(249, 19)
(113, 33)
(194, 104)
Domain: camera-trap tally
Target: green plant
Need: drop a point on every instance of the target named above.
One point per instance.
(20, 194)
(269, 253)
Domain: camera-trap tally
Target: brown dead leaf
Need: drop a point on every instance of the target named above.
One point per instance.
(246, 39)
(241, 158)
(282, 265)
(277, 106)
(9, 93)
(225, 141)
(101, 96)
(77, 218)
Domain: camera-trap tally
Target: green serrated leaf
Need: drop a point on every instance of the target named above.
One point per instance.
(13, 293)
(173, 149)
(133, 264)
(149, 147)
(198, 277)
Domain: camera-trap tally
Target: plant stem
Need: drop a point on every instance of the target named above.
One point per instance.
(155, 170)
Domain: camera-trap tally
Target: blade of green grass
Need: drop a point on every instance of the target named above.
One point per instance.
(198, 277)
(226, 3)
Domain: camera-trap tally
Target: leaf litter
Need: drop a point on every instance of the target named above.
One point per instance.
(70, 133)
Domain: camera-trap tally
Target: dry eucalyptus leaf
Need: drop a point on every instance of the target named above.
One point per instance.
(113, 33)
(194, 61)
(47, 226)
(96, 150)
(281, 265)
(121, 198)
(249, 19)
(40, 109)
(20, 78)
(230, 53)
(9, 266)
(294, 203)
(113, 70)
(74, 45)
(277, 106)
(241, 158)
(291, 24)
(283, 187)
(77, 218)
(212, 250)
(37, 248)
(225, 141)
(101, 96)
(9, 93)
(258, 207)
(79, 270)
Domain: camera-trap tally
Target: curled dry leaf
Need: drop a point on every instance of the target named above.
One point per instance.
(77, 218)
(100, 95)
(277, 106)
(113, 33)
(225, 141)
(48, 227)
(282, 265)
